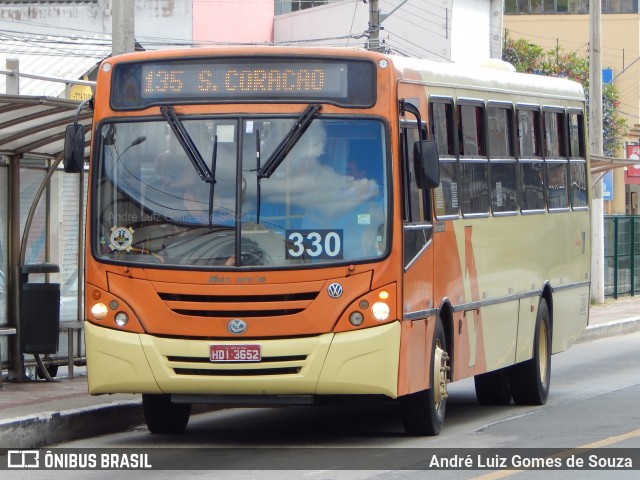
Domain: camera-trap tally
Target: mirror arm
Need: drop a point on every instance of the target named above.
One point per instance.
(407, 107)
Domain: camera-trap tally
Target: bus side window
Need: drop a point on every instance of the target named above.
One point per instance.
(503, 173)
(556, 159)
(442, 128)
(474, 166)
(417, 210)
(578, 164)
(530, 161)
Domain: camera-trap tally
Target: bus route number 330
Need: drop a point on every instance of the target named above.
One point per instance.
(325, 244)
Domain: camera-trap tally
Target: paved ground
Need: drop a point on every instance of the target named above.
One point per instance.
(34, 414)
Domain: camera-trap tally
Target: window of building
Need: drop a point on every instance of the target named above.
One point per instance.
(288, 6)
(552, 7)
(578, 6)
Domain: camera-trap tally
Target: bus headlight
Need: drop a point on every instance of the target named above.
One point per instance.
(121, 319)
(380, 311)
(99, 311)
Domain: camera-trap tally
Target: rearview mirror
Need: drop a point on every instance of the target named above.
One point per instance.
(426, 164)
(74, 148)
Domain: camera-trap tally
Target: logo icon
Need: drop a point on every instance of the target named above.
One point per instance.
(121, 239)
(334, 290)
(237, 326)
(23, 459)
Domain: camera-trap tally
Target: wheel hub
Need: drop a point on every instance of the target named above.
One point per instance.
(440, 379)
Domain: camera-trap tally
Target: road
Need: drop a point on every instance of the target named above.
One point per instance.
(593, 404)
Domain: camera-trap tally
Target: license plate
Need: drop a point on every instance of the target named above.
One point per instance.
(234, 353)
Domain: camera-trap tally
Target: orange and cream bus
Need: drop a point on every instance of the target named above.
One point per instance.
(271, 225)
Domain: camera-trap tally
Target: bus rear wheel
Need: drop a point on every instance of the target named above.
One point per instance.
(163, 416)
(423, 412)
(530, 380)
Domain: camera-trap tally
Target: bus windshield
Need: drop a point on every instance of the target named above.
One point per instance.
(326, 202)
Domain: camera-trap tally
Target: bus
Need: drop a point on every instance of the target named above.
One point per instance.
(302, 226)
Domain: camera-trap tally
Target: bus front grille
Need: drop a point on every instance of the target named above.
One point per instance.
(237, 373)
(283, 365)
(244, 306)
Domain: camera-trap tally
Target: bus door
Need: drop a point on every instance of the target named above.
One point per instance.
(418, 305)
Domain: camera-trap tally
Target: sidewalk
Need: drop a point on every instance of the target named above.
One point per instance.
(614, 317)
(35, 414)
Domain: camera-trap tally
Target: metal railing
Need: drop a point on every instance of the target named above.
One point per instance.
(621, 255)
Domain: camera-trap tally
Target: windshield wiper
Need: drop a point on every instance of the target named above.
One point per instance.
(187, 144)
(206, 174)
(289, 141)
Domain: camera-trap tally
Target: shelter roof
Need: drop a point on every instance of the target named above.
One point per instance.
(35, 126)
(603, 164)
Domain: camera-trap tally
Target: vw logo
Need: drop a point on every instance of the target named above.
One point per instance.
(335, 290)
(237, 326)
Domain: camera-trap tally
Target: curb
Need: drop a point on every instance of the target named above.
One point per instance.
(49, 428)
(610, 329)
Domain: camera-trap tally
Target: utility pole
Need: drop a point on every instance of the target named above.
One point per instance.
(595, 144)
(122, 31)
(376, 17)
(374, 27)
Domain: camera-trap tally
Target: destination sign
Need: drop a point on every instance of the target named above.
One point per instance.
(201, 80)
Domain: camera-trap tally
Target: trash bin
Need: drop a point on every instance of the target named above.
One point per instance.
(39, 311)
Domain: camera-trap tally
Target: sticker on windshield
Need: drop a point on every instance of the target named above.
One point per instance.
(121, 238)
(321, 244)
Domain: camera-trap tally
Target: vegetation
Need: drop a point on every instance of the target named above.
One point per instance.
(529, 57)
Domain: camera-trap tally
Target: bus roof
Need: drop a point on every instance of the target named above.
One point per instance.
(489, 75)
(492, 75)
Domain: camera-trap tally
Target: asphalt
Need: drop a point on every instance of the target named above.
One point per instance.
(40, 413)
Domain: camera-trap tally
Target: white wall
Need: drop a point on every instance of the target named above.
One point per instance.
(477, 29)
(157, 22)
(458, 30)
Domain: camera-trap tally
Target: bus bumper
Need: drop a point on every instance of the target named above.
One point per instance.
(357, 362)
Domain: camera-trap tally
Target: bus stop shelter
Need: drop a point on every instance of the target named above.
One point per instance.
(32, 131)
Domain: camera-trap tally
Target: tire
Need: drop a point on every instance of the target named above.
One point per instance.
(163, 416)
(423, 412)
(530, 380)
(493, 388)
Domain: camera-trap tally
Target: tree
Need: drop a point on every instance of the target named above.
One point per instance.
(555, 62)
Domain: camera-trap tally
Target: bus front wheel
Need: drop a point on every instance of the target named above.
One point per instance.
(423, 412)
(163, 416)
(530, 380)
